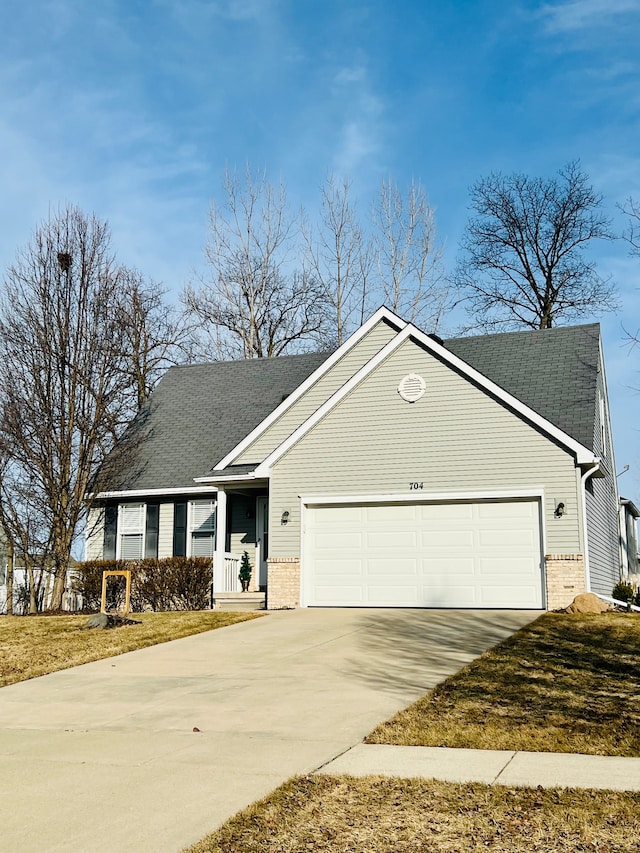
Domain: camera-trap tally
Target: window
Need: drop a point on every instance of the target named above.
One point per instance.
(202, 528)
(131, 518)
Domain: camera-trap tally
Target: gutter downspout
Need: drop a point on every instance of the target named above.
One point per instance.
(583, 482)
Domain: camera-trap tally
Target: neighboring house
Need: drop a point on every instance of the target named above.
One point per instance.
(399, 470)
(44, 586)
(629, 557)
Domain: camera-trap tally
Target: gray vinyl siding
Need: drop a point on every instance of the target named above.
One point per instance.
(455, 439)
(94, 533)
(165, 530)
(335, 378)
(602, 504)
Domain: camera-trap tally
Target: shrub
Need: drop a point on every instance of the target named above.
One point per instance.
(172, 583)
(624, 591)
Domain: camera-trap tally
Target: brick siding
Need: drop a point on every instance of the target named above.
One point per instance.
(565, 579)
(283, 582)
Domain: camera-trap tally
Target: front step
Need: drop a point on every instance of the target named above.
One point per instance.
(239, 601)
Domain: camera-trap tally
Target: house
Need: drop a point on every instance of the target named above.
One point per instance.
(629, 556)
(398, 470)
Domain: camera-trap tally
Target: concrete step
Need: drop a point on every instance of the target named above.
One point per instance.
(239, 601)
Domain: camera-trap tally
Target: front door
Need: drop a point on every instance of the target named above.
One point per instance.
(262, 539)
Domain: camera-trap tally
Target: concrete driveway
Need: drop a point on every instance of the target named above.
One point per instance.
(104, 757)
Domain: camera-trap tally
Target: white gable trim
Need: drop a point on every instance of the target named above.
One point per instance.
(583, 454)
(381, 314)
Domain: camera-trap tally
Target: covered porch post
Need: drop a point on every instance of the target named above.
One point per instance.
(221, 539)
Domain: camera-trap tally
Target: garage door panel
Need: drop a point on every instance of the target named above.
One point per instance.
(385, 595)
(342, 539)
(387, 540)
(399, 512)
(461, 554)
(445, 512)
(446, 540)
(398, 567)
(344, 568)
(339, 595)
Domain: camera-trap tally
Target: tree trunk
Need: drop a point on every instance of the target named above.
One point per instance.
(9, 578)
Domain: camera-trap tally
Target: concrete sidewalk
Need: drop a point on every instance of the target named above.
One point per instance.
(499, 767)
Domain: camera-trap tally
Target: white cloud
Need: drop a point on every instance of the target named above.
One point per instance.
(582, 14)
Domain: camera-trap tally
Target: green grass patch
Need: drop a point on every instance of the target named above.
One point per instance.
(375, 815)
(36, 645)
(565, 683)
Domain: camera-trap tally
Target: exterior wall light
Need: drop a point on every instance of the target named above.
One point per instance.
(285, 517)
(559, 511)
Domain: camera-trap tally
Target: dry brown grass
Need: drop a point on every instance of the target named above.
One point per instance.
(374, 815)
(562, 684)
(36, 645)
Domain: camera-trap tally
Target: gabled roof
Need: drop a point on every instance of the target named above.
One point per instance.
(554, 371)
(196, 415)
(433, 344)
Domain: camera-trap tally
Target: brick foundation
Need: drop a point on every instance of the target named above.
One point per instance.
(565, 579)
(283, 582)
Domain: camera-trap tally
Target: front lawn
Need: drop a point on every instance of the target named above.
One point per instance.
(374, 815)
(36, 645)
(565, 683)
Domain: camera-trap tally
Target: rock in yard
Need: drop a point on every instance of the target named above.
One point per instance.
(587, 602)
(109, 620)
(98, 620)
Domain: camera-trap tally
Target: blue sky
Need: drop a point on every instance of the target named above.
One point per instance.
(133, 110)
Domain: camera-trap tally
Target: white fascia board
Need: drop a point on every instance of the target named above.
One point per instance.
(381, 314)
(583, 454)
(531, 493)
(141, 493)
(225, 478)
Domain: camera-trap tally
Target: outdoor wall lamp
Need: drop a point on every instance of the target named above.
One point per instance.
(285, 517)
(559, 511)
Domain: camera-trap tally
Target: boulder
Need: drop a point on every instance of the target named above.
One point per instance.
(98, 620)
(587, 602)
(109, 620)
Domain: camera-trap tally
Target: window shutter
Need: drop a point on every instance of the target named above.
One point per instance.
(151, 532)
(110, 527)
(180, 530)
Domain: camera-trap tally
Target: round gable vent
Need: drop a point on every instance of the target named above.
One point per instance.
(412, 387)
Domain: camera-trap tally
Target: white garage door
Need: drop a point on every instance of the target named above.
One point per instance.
(484, 554)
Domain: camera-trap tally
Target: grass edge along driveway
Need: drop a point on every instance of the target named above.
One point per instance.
(38, 645)
(564, 683)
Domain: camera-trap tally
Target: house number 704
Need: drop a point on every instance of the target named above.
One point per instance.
(416, 485)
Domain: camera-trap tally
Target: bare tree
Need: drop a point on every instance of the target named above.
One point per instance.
(152, 334)
(631, 209)
(339, 258)
(63, 384)
(253, 304)
(522, 262)
(407, 255)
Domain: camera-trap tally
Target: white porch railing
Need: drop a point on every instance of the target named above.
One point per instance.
(225, 572)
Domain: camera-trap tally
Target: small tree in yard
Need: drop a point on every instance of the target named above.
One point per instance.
(245, 571)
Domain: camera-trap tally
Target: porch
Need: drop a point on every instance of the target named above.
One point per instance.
(242, 524)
